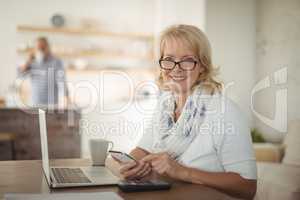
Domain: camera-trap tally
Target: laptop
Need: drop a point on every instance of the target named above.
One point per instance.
(60, 177)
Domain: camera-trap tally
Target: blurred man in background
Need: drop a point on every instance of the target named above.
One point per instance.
(47, 75)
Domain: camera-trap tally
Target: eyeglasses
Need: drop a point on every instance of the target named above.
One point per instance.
(186, 65)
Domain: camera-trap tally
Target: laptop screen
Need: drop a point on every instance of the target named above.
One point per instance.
(44, 144)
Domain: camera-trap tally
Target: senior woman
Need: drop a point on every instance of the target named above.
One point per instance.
(197, 134)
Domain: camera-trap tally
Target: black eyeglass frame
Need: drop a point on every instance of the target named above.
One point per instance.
(177, 63)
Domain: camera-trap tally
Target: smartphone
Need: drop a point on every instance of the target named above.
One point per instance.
(121, 156)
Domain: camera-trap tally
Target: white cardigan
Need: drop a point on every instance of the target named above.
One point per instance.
(223, 144)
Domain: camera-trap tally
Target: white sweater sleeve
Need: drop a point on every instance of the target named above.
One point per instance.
(234, 143)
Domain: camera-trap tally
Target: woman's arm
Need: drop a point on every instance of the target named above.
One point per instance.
(228, 182)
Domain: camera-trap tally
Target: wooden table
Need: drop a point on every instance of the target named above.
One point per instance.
(27, 177)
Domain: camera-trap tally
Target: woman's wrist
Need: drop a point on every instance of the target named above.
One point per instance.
(186, 174)
(181, 172)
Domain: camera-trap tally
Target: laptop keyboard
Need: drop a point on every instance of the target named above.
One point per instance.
(69, 175)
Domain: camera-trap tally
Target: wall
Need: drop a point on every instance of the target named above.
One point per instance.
(170, 12)
(278, 46)
(230, 27)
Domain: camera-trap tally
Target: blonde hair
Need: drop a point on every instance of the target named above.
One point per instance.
(199, 44)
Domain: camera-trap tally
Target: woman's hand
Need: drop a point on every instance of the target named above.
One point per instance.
(135, 170)
(163, 164)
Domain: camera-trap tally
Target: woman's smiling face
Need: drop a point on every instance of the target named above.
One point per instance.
(177, 79)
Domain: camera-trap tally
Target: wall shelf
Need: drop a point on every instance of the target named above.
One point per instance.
(92, 54)
(151, 70)
(82, 32)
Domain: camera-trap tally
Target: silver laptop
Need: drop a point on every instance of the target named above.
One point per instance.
(58, 177)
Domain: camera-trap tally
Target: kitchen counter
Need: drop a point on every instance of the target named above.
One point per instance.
(63, 133)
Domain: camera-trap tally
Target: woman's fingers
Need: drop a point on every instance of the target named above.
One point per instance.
(138, 171)
(146, 172)
(160, 163)
(143, 170)
(127, 166)
(145, 165)
(131, 173)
